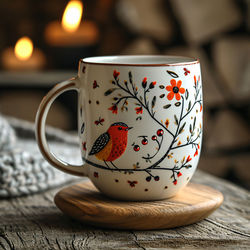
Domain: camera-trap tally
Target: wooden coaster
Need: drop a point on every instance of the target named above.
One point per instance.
(85, 203)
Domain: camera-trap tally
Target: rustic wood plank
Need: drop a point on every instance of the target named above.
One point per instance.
(34, 222)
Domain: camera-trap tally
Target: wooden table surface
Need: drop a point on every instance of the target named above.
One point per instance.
(34, 222)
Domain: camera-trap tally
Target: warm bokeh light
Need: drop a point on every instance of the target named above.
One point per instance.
(72, 15)
(23, 48)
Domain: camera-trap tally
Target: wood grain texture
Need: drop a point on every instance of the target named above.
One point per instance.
(84, 202)
(34, 222)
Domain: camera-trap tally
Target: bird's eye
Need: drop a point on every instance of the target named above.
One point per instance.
(119, 128)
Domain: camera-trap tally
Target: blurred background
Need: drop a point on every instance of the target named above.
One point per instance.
(42, 41)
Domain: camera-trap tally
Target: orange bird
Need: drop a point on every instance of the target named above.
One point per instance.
(112, 144)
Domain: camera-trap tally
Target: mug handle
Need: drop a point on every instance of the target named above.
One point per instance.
(72, 84)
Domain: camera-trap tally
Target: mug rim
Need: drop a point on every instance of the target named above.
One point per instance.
(117, 60)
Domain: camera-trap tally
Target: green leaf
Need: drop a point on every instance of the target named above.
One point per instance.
(130, 76)
(162, 95)
(189, 105)
(109, 91)
(161, 87)
(194, 122)
(186, 94)
(153, 101)
(190, 129)
(177, 104)
(173, 74)
(188, 166)
(176, 120)
(182, 128)
(167, 106)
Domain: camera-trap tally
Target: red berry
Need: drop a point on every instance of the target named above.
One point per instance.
(157, 178)
(160, 132)
(148, 178)
(154, 138)
(144, 141)
(136, 148)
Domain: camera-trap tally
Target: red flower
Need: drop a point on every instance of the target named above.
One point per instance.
(186, 71)
(179, 174)
(139, 110)
(175, 90)
(201, 108)
(116, 74)
(114, 109)
(196, 152)
(132, 183)
(95, 84)
(99, 121)
(96, 175)
(198, 146)
(189, 159)
(175, 182)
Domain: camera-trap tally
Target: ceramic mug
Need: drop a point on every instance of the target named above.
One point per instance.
(139, 124)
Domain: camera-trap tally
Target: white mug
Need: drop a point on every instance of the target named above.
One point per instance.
(140, 124)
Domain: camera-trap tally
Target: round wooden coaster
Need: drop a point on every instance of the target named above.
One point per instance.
(85, 203)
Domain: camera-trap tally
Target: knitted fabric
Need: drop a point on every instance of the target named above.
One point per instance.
(7, 135)
(23, 170)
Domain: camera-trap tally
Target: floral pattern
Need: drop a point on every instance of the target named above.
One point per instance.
(171, 128)
(114, 109)
(175, 90)
(139, 110)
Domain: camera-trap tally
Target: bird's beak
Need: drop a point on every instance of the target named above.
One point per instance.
(128, 128)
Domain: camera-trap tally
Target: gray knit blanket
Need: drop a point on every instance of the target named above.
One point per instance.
(23, 170)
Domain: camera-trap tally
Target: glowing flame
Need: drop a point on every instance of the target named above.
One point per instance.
(23, 48)
(72, 15)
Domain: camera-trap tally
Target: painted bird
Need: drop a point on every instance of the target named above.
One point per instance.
(112, 144)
